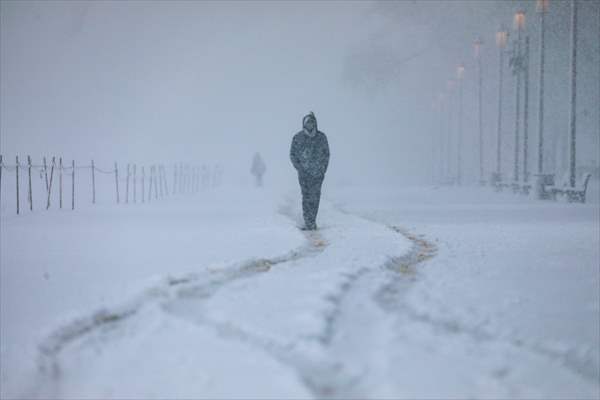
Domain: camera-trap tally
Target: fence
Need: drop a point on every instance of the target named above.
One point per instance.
(145, 184)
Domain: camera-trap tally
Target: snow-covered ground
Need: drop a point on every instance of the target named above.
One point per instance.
(509, 307)
(407, 292)
(58, 266)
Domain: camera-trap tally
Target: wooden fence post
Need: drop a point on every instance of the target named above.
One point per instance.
(46, 173)
(29, 194)
(193, 179)
(198, 187)
(160, 180)
(134, 183)
(117, 181)
(143, 183)
(174, 179)
(127, 186)
(187, 179)
(193, 176)
(50, 185)
(60, 179)
(155, 182)
(0, 178)
(150, 186)
(164, 174)
(180, 185)
(17, 169)
(73, 186)
(93, 183)
(164, 171)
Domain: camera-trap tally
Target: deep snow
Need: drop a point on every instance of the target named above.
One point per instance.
(220, 295)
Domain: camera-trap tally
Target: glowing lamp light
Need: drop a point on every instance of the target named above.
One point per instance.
(460, 71)
(477, 44)
(501, 38)
(519, 20)
(541, 6)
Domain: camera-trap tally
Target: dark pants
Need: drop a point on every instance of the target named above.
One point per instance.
(311, 195)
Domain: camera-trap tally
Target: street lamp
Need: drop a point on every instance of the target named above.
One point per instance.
(460, 71)
(542, 180)
(520, 20)
(517, 64)
(526, 113)
(501, 40)
(542, 9)
(440, 101)
(477, 44)
(450, 86)
(572, 116)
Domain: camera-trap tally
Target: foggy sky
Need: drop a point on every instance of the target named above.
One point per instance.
(215, 82)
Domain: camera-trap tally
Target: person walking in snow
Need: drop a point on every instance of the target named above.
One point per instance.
(258, 169)
(310, 156)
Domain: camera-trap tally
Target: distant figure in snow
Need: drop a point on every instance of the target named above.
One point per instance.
(310, 156)
(258, 169)
(217, 175)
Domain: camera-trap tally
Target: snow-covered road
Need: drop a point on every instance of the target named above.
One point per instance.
(410, 299)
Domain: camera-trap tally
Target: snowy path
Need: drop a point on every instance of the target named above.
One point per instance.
(355, 312)
(268, 322)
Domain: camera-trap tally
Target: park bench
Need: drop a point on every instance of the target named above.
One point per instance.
(573, 194)
(499, 185)
(525, 187)
(521, 186)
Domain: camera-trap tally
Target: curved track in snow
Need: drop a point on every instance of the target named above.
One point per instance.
(315, 360)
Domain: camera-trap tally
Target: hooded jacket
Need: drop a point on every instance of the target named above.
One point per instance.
(310, 151)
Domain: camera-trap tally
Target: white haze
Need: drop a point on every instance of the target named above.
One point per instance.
(210, 82)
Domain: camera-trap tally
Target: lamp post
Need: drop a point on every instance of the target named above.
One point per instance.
(501, 39)
(441, 147)
(542, 8)
(460, 70)
(542, 179)
(517, 64)
(451, 83)
(572, 116)
(526, 113)
(477, 45)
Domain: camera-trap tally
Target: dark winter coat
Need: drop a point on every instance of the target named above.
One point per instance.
(310, 153)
